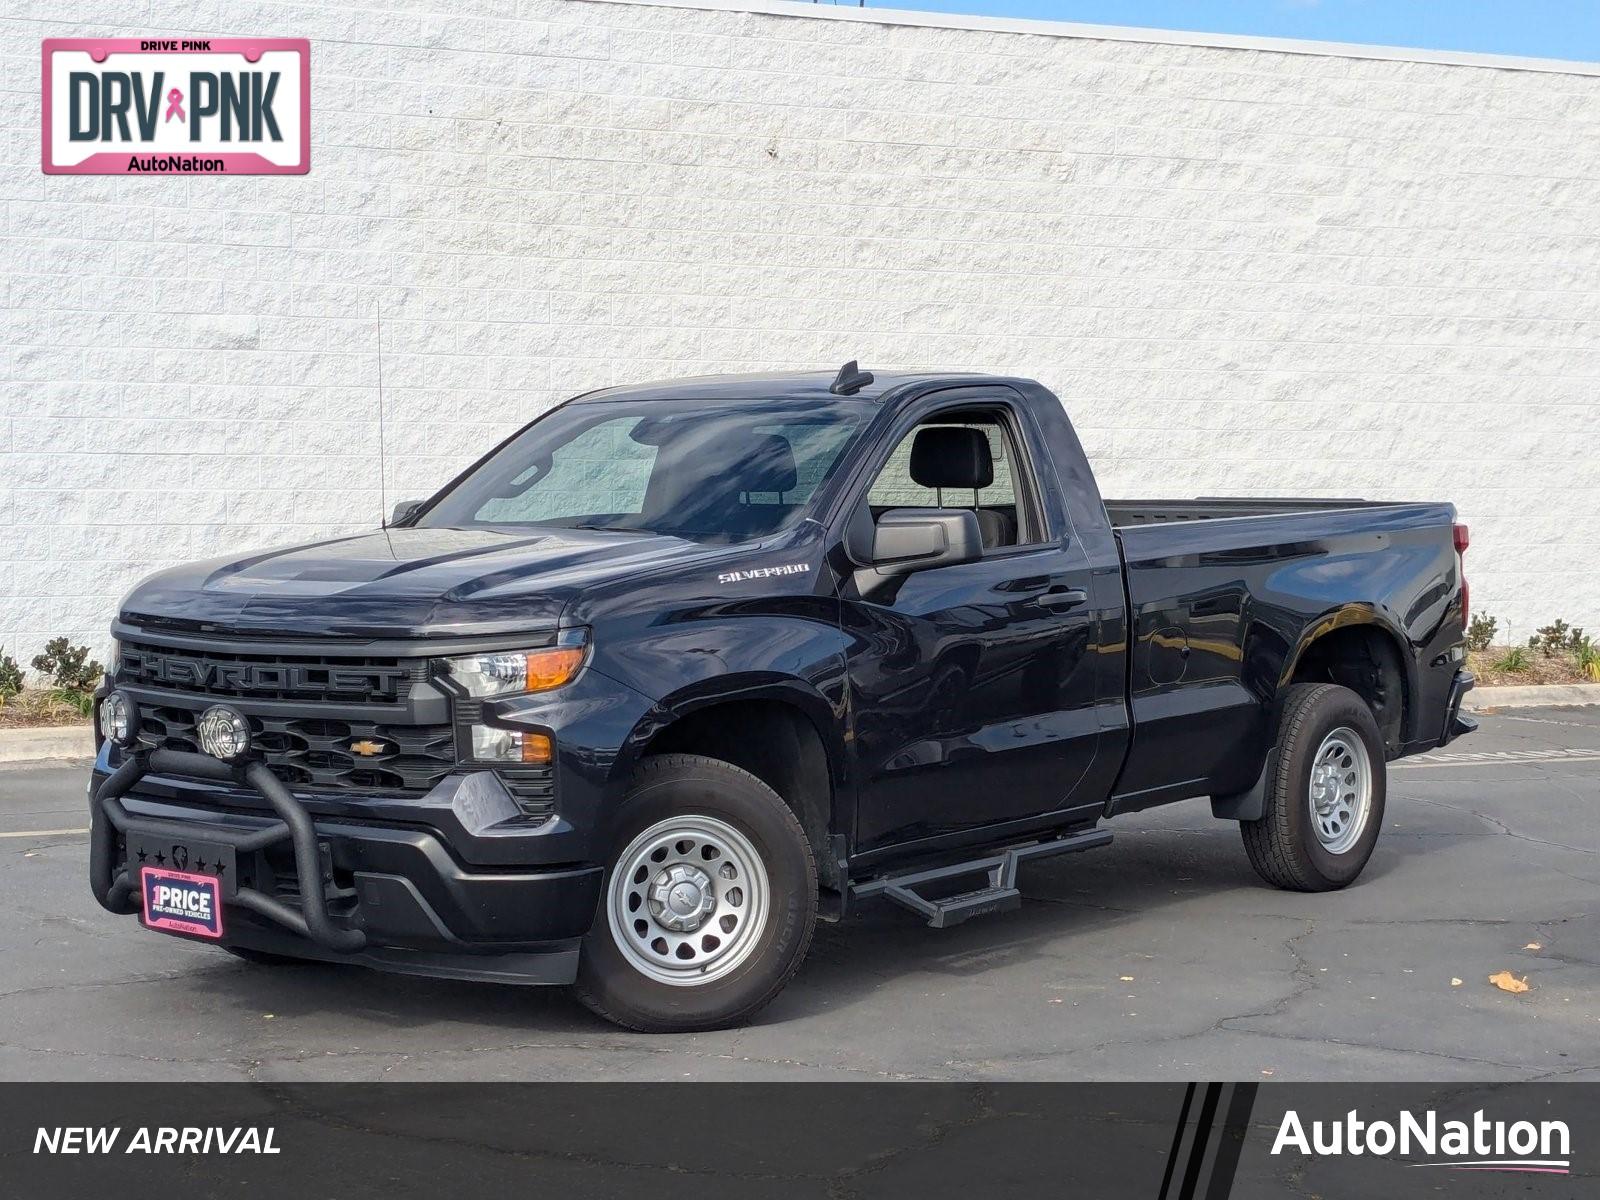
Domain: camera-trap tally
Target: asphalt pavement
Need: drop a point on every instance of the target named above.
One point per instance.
(1159, 957)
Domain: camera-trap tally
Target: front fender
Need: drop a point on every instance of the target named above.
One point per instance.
(824, 712)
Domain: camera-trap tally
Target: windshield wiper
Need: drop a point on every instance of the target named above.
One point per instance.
(595, 525)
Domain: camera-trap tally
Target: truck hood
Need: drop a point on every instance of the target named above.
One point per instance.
(403, 583)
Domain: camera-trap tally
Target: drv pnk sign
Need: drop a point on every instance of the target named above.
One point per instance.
(170, 106)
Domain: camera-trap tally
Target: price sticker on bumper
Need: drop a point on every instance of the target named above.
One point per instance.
(179, 902)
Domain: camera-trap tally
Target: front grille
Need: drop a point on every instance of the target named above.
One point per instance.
(320, 722)
(316, 678)
(316, 751)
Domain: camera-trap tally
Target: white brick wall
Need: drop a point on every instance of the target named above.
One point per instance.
(1246, 271)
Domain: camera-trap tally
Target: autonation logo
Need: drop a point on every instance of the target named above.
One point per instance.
(1476, 1145)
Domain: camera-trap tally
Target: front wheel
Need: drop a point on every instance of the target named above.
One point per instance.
(709, 901)
(1324, 802)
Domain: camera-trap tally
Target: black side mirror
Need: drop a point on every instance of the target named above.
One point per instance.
(917, 539)
(403, 512)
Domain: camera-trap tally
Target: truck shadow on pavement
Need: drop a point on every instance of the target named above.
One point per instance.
(1075, 910)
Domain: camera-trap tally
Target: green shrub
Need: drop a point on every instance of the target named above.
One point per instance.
(69, 667)
(1480, 634)
(1515, 660)
(80, 702)
(1589, 660)
(1557, 638)
(10, 677)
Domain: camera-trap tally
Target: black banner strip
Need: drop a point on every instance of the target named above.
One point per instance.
(851, 1141)
(1202, 1138)
(1177, 1139)
(1234, 1128)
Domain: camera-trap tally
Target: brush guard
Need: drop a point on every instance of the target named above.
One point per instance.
(117, 889)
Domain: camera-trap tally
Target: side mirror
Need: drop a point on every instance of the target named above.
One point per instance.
(917, 539)
(403, 512)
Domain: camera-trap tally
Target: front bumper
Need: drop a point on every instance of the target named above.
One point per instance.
(349, 889)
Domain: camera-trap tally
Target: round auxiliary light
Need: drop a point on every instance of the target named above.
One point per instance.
(117, 720)
(223, 733)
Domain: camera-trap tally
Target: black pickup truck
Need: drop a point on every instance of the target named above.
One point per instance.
(679, 669)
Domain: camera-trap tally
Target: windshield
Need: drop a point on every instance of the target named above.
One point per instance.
(705, 470)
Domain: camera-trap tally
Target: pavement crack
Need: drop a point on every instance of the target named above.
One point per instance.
(90, 985)
(1357, 1045)
(1503, 827)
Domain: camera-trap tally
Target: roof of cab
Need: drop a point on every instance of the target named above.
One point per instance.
(796, 385)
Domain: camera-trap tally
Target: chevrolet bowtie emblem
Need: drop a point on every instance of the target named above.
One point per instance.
(366, 748)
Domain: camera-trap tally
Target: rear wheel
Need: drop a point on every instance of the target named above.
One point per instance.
(1325, 800)
(709, 901)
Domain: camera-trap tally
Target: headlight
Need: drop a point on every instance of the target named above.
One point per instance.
(117, 721)
(513, 672)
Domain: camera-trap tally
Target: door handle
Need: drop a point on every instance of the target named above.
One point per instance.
(1063, 598)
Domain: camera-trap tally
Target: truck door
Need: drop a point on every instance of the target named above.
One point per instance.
(973, 686)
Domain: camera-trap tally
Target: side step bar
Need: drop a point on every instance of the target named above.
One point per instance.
(1001, 894)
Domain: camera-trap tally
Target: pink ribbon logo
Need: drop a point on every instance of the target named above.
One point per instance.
(175, 105)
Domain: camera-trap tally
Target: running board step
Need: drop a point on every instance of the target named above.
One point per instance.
(1000, 895)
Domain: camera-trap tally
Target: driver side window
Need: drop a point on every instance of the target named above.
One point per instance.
(964, 459)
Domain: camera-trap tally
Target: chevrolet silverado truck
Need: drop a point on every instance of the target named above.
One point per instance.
(679, 669)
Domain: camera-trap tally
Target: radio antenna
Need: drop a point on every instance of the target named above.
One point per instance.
(383, 489)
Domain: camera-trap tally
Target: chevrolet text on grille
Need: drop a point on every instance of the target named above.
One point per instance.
(181, 671)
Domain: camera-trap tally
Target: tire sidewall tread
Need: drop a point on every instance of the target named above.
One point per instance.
(669, 784)
(1282, 846)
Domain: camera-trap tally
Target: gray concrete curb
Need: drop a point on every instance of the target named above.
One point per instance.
(52, 741)
(1531, 696)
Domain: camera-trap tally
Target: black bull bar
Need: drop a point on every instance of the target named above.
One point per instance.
(116, 889)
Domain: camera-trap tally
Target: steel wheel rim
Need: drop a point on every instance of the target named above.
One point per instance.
(688, 900)
(1340, 790)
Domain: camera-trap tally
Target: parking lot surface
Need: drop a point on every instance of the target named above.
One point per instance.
(1161, 956)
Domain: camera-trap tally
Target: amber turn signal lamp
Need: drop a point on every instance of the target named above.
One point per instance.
(553, 667)
(537, 748)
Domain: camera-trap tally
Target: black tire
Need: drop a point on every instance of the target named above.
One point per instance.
(263, 958)
(682, 785)
(1283, 845)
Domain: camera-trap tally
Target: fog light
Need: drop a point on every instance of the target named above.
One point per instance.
(223, 733)
(117, 723)
(510, 745)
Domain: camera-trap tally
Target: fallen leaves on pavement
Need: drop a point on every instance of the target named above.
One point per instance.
(1507, 982)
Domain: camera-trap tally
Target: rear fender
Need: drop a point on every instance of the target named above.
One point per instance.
(1367, 617)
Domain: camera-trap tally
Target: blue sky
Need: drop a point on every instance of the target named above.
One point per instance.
(1542, 28)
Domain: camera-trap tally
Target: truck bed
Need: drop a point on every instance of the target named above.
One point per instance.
(1212, 508)
(1218, 591)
